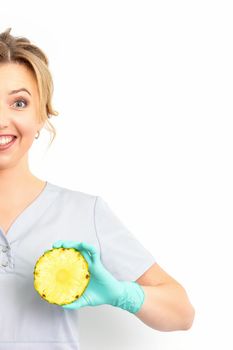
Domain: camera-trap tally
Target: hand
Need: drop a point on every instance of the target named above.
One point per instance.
(103, 288)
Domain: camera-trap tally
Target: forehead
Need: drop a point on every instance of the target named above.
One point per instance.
(14, 76)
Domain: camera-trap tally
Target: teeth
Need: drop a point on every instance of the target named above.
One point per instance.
(5, 139)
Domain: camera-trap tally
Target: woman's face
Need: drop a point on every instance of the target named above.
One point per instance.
(18, 110)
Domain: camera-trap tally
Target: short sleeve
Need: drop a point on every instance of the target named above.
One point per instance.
(120, 252)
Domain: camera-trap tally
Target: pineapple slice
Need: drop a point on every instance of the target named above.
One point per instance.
(61, 275)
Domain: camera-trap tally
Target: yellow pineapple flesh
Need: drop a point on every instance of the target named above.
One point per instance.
(61, 275)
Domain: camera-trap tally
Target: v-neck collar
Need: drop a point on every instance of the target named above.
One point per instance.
(31, 214)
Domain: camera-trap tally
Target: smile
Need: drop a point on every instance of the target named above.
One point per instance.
(6, 142)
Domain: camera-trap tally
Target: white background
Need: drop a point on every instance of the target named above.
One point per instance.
(144, 91)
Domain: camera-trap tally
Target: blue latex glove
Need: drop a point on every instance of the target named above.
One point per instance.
(103, 287)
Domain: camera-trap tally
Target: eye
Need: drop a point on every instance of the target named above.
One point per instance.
(21, 100)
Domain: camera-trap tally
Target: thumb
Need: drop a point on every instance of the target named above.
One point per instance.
(77, 304)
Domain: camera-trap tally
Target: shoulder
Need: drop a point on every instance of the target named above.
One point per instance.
(72, 200)
(72, 193)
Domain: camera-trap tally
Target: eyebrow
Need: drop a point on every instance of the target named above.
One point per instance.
(15, 91)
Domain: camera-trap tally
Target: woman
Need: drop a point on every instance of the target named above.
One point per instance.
(36, 214)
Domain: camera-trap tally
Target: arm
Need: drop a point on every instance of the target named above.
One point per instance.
(166, 306)
(156, 298)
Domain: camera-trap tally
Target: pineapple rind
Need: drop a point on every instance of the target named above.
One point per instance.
(67, 262)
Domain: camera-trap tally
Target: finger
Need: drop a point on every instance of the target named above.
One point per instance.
(87, 257)
(71, 244)
(58, 243)
(91, 249)
(82, 301)
(65, 244)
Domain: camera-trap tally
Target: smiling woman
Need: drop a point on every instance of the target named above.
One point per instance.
(35, 214)
(26, 89)
(21, 53)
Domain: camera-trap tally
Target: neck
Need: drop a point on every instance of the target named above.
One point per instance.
(15, 180)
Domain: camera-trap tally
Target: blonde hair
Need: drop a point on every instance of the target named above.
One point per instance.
(21, 50)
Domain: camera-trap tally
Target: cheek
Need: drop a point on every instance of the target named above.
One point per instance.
(26, 130)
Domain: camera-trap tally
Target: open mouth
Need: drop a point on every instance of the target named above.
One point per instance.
(8, 145)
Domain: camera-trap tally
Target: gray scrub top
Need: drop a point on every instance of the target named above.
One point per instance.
(27, 321)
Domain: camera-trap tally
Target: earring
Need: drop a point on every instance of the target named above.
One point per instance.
(38, 134)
